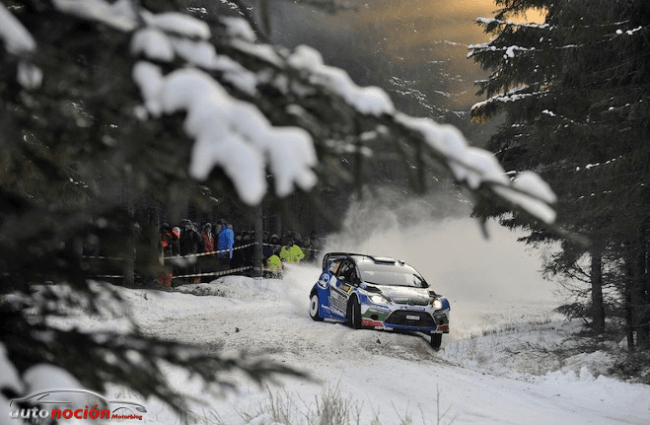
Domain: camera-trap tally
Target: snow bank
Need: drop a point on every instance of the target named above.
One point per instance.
(383, 375)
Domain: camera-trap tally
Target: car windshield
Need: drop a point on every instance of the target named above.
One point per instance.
(392, 275)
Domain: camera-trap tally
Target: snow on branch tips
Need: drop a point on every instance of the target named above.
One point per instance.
(18, 41)
(16, 38)
(119, 15)
(475, 167)
(367, 100)
(229, 133)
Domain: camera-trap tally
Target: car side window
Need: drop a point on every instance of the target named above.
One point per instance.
(348, 272)
(334, 267)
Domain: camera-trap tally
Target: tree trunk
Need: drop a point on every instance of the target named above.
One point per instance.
(629, 314)
(597, 305)
(639, 299)
(636, 299)
(265, 17)
(129, 252)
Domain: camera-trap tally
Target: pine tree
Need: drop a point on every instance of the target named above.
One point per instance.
(574, 91)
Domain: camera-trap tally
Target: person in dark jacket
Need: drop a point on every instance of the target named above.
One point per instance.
(237, 259)
(191, 243)
(267, 249)
(208, 262)
(249, 250)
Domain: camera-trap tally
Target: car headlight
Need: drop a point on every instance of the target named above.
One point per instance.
(437, 304)
(378, 299)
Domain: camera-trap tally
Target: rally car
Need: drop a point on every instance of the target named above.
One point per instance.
(365, 291)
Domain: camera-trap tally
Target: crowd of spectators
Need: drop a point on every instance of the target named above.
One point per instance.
(191, 254)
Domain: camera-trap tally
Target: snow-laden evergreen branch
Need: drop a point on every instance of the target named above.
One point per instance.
(236, 136)
(16, 38)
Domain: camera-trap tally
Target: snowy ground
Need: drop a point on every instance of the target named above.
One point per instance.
(478, 377)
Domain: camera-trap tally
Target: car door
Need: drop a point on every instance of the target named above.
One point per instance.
(342, 288)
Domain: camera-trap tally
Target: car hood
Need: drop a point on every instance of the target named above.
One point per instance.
(405, 295)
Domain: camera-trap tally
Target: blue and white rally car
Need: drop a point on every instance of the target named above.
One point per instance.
(380, 293)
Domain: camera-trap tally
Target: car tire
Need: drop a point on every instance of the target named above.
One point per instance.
(314, 308)
(354, 313)
(436, 340)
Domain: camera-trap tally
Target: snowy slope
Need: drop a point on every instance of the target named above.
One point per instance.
(387, 376)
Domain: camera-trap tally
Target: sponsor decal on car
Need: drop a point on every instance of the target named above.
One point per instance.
(413, 308)
(443, 328)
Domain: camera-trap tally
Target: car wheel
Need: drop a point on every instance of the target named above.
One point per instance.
(314, 307)
(354, 313)
(436, 340)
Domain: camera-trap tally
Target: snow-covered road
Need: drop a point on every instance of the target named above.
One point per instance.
(387, 376)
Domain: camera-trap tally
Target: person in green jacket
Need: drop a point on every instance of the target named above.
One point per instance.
(285, 254)
(295, 254)
(274, 264)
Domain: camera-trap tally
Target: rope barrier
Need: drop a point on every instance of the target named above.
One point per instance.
(222, 251)
(202, 254)
(221, 273)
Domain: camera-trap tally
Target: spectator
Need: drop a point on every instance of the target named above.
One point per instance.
(208, 263)
(295, 253)
(287, 239)
(238, 254)
(165, 250)
(208, 240)
(249, 250)
(176, 249)
(176, 241)
(285, 251)
(274, 265)
(225, 242)
(267, 248)
(191, 244)
(216, 228)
